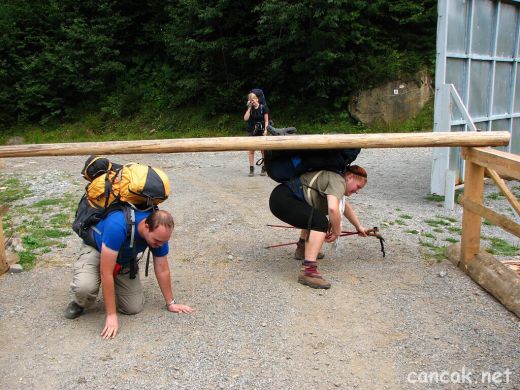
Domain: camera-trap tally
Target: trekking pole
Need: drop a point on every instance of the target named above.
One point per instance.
(282, 226)
(278, 245)
(374, 232)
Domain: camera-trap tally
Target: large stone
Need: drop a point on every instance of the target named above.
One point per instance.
(393, 102)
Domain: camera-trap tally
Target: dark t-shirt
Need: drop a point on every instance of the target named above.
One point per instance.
(256, 122)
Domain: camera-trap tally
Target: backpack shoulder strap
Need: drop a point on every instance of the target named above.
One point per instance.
(310, 187)
(131, 227)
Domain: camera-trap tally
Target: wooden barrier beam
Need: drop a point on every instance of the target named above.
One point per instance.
(325, 141)
(505, 164)
(496, 219)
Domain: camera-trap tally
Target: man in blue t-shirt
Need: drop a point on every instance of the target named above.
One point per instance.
(109, 266)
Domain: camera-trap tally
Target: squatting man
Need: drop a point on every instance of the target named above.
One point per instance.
(109, 264)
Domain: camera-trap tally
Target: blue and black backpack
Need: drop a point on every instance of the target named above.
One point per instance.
(285, 165)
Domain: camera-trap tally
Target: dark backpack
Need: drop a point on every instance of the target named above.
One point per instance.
(285, 165)
(260, 95)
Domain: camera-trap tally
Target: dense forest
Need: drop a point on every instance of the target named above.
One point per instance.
(62, 58)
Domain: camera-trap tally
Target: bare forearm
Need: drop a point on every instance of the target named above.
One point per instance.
(335, 221)
(352, 217)
(109, 296)
(164, 281)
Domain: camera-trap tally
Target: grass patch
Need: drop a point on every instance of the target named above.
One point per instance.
(501, 247)
(48, 202)
(405, 216)
(437, 222)
(446, 218)
(61, 220)
(434, 198)
(27, 259)
(428, 235)
(495, 196)
(186, 122)
(11, 190)
(39, 234)
(455, 229)
(412, 231)
(434, 251)
(400, 222)
(487, 223)
(438, 230)
(451, 239)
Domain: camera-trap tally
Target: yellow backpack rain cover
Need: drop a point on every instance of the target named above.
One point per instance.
(137, 184)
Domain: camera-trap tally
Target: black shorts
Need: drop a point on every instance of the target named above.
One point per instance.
(295, 212)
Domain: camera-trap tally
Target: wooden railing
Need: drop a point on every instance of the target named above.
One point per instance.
(491, 274)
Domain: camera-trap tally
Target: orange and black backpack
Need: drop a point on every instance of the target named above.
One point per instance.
(112, 187)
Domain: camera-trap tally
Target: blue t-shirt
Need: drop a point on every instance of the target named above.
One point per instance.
(113, 233)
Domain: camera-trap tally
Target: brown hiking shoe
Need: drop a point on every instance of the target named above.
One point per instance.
(312, 278)
(299, 253)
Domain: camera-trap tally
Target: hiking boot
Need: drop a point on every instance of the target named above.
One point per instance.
(262, 172)
(299, 253)
(251, 171)
(309, 276)
(73, 310)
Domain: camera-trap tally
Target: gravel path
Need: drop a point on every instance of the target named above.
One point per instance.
(384, 324)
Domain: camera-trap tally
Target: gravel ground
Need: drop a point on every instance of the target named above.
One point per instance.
(384, 324)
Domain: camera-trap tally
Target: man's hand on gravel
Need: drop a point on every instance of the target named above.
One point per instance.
(111, 327)
(178, 308)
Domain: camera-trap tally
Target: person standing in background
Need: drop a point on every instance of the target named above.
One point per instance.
(257, 118)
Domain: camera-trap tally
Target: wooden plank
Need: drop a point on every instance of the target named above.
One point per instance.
(505, 164)
(511, 198)
(4, 267)
(493, 217)
(473, 191)
(323, 141)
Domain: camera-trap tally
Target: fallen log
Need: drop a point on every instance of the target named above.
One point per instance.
(496, 278)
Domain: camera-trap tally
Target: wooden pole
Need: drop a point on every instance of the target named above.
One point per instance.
(493, 217)
(511, 198)
(473, 191)
(390, 140)
(4, 267)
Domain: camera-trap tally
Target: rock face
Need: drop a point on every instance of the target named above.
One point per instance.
(392, 102)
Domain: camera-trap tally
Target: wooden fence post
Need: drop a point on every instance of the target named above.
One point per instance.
(474, 191)
(4, 267)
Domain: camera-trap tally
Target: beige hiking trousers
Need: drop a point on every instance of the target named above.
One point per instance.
(87, 280)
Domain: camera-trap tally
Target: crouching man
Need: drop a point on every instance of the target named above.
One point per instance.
(111, 265)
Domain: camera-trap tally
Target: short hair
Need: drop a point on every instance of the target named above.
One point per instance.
(160, 218)
(357, 171)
